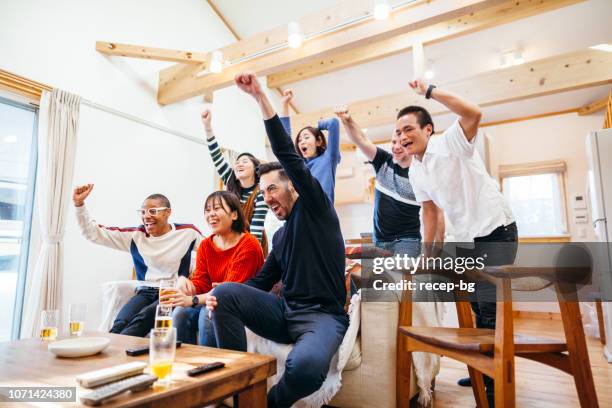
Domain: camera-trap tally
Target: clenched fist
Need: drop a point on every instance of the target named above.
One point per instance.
(419, 86)
(80, 194)
(342, 112)
(206, 118)
(247, 81)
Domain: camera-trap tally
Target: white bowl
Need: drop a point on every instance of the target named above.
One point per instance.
(79, 347)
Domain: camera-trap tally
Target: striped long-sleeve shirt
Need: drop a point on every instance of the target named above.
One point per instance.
(225, 170)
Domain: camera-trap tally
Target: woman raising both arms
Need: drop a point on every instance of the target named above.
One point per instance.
(241, 180)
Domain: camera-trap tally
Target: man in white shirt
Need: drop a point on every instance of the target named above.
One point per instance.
(447, 170)
(159, 250)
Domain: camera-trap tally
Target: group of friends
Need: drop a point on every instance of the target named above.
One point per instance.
(232, 286)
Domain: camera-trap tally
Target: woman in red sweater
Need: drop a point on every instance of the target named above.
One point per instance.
(230, 254)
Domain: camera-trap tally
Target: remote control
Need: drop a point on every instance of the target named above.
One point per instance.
(136, 383)
(106, 375)
(138, 351)
(205, 368)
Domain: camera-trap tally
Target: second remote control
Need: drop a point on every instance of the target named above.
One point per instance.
(205, 368)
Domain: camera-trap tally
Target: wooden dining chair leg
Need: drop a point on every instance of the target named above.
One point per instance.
(503, 359)
(464, 316)
(600, 322)
(578, 353)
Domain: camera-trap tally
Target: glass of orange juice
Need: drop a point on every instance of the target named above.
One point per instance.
(162, 349)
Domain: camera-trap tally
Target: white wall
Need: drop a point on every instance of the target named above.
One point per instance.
(54, 43)
(551, 138)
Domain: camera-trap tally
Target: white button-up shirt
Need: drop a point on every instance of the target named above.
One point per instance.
(454, 177)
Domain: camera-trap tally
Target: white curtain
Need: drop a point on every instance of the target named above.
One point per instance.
(57, 138)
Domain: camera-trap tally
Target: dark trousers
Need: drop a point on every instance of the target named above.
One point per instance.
(317, 336)
(137, 316)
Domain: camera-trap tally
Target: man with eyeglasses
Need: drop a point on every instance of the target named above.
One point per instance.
(160, 250)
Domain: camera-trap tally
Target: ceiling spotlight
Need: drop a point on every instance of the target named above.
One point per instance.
(602, 47)
(365, 130)
(381, 9)
(295, 37)
(429, 74)
(518, 58)
(216, 62)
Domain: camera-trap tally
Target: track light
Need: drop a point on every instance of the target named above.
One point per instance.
(216, 62)
(295, 37)
(381, 9)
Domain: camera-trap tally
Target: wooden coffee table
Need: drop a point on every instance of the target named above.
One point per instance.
(29, 363)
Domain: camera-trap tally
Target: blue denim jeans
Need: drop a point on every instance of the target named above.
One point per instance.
(191, 320)
(401, 246)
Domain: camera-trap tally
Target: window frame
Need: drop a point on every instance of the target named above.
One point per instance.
(27, 221)
(557, 167)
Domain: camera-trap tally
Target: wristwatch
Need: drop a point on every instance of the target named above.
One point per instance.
(428, 93)
(195, 301)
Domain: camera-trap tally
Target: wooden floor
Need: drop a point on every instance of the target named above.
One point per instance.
(537, 386)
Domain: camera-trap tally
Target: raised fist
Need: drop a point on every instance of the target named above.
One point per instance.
(342, 112)
(206, 118)
(247, 81)
(419, 86)
(287, 96)
(80, 194)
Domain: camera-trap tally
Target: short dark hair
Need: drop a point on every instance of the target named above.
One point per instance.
(319, 136)
(161, 198)
(273, 166)
(422, 115)
(233, 202)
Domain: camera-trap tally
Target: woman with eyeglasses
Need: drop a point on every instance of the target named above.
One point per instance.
(159, 249)
(241, 180)
(230, 254)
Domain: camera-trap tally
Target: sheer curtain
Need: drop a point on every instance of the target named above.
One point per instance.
(57, 139)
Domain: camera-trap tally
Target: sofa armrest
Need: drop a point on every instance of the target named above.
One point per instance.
(115, 295)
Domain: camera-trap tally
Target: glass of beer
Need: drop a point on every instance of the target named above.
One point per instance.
(76, 318)
(163, 317)
(162, 349)
(49, 322)
(167, 287)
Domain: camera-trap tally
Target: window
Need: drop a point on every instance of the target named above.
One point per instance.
(536, 196)
(17, 170)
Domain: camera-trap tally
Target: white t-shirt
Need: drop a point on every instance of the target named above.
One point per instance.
(454, 177)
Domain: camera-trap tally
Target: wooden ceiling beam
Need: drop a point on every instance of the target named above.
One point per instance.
(179, 82)
(151, 53)
(470, 22)
(548, 76)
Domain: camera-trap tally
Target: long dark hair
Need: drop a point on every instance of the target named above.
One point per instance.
(319, 136)
(233, 184)
(232, 201)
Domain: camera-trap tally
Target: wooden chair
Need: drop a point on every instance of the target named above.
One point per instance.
(492, 352)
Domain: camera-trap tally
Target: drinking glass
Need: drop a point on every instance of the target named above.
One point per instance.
(49, 322)
(163, 317)
(167, 287)
(162, 349)
(76, 318)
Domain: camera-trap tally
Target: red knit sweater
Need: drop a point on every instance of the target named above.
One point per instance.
(237, 264)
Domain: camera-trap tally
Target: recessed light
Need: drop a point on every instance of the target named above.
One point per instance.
(295, 37)
(381, 10)
(429, 74)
